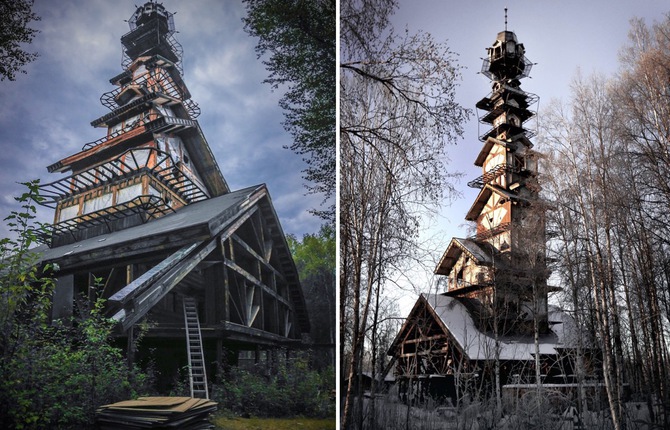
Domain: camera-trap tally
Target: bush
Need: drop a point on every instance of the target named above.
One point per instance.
(57, 378)
(294, 390)
(51, 375)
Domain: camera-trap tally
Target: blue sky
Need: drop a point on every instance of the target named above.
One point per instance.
(46, 114)
(561, 37)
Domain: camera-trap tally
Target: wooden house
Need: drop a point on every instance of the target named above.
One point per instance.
(480, 332)
(145, 220)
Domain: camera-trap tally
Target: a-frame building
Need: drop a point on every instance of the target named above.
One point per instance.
(145, 220)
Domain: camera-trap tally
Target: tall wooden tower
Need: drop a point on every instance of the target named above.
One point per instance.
(501, 271)
(153, 159)
(493, 325)
(145, 221)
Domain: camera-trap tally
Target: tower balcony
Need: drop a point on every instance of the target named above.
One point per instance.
(158, 81)
(135, 107)
(505, 130)
(165, 124)
(492, 175)
(137, 211)
(509, 94)
(151, 32)
(131, 163)
(507, 99)
(500, 66)
(485, 235)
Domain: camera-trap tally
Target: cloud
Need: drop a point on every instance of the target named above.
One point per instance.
(46, 114)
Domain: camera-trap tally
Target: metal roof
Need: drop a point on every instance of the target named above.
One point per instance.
(455, 319)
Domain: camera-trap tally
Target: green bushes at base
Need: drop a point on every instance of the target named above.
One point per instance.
(293, 390)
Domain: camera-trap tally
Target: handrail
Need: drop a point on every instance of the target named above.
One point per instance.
(129, 164)
(491, 175)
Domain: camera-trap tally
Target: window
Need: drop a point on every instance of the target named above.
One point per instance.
(97, 203)
(128, 193)
(68, 213)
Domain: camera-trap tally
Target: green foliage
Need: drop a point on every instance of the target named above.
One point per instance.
(297, 40)
(314, 257)
(52, 375)
(15, 16)
(293, 390)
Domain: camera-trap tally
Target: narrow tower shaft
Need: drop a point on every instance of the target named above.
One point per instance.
(501, 270)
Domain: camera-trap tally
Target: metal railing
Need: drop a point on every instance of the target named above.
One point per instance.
(133, 162)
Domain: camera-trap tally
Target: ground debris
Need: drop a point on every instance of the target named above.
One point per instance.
(157, 413)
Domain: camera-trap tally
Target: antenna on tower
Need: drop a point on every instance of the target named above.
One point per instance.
(505, 19)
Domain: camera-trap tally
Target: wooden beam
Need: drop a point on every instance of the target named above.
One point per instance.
(253, 334)
(248, 276)
(144, 281)
(422, 353)
(426, 339)
(140, 303)
(237, 224)
(226, 294)
(259, 258)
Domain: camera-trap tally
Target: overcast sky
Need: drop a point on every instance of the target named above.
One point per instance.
(46, 114)
(561, 37)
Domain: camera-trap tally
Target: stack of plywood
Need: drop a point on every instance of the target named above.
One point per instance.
(186, 413)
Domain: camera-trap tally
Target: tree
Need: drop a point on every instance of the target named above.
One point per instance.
(15, 16)
(589, 151)
(609, 183)
(297, 42)
(315, 260)
(397, 115)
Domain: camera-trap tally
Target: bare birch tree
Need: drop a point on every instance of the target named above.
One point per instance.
(398, 114)
(588, 149)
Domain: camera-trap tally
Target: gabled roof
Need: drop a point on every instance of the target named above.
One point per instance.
(189, 230)
(484, 196)
(453, 317)
(475, 250)
(490, 141)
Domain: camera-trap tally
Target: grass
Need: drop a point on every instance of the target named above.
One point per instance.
(227, 423)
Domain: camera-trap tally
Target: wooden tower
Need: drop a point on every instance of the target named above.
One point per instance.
(493, 325)
(500, 272)
(145, 221)
(153, 159)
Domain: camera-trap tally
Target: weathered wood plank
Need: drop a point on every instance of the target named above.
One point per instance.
(248, 276)
(134, 287)
(250, 333)
(143, 302)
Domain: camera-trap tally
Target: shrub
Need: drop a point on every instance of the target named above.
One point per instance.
(293, 390)
(51, 375)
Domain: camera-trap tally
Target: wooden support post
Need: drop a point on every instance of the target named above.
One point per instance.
(226, 294)
(130, 346)
(219, 355)
(92, 288)
(212, 280)
(130, 273)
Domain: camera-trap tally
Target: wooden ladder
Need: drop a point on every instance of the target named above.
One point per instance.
(196, 357)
